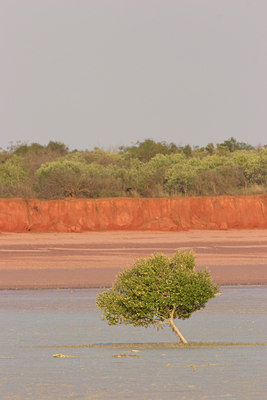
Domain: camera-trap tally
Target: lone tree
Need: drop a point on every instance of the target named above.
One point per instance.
(157, 290)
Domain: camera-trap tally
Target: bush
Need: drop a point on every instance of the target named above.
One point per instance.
(157, 290)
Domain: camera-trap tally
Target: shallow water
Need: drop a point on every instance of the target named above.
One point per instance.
(35, 325)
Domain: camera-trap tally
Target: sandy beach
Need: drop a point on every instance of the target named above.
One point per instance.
(93, 259)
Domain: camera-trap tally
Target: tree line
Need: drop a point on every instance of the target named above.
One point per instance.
(145, 169)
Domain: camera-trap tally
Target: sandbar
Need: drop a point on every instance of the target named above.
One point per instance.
(93, 259)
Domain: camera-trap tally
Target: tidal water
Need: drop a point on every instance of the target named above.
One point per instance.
(37, 324)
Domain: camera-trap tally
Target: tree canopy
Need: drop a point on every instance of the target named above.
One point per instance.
(156, 291)
(146, 169)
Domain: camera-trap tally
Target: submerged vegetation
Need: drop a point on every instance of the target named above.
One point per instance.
(146, 169)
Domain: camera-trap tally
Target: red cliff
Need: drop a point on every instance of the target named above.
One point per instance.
(166, 214)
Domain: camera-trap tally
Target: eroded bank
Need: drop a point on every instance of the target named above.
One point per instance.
(165, 214)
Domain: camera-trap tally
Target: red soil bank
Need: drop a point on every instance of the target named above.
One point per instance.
(165, 214)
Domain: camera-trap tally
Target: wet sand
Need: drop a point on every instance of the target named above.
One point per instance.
(93, 259)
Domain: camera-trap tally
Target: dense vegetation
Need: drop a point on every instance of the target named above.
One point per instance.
(146, 169)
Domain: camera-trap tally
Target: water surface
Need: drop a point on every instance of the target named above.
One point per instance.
(36, 324)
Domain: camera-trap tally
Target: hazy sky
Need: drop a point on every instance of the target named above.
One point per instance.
(111, 72)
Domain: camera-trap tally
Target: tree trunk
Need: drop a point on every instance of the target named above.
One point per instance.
(176, 330)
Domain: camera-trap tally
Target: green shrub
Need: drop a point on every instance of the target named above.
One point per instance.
(156, 290)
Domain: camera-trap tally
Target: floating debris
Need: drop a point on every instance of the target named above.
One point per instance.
(194, 367)
(125, 355)
(62, 356)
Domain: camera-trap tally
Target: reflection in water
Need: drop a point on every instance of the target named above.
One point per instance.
(35, 325)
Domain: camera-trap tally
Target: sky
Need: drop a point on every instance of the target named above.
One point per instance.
(109, 73)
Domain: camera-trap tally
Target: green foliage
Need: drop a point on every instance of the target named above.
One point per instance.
(155, 171)
(180, 180)
(100, 157)
(147, 169)
(148, 149)
(59, 179)
(232, 145)
(187, 150)
(74, 178)
(57, 147)
(157, 290)
(11, 172)
(223, 180)
(210, 148)
(254, 165)
(12, 177)
(24, 150)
